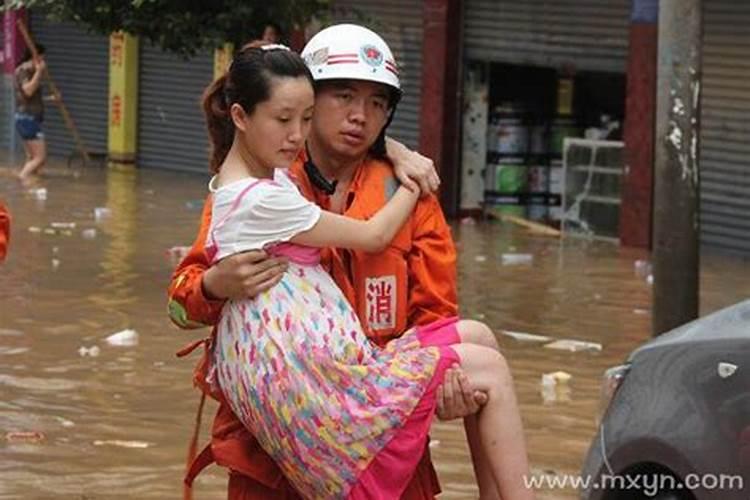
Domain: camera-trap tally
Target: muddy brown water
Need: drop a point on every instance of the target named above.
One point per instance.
(116, 425)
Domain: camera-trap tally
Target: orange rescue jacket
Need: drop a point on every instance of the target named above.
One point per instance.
(412, 282)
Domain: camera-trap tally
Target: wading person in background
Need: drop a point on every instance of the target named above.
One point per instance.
(30, 111)
(411, 283)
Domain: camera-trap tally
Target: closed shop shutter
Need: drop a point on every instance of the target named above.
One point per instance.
(79, 64)
(725, 155)
(400, 25)
(171, 130)
(586, 34)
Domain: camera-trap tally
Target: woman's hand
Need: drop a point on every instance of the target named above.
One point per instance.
(414, 171)
(243, 275)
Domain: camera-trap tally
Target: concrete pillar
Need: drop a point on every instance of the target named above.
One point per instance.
(676, 253)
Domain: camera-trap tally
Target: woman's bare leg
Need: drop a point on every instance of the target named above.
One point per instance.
(38, 151)
(474, 332)
(499, 423)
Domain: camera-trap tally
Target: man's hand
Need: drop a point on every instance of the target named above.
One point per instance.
(456, 398)
(411, 168)
(243, 275)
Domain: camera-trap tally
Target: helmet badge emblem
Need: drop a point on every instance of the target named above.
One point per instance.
(371, 55)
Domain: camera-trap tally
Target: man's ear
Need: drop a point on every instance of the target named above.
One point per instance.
(239, 117)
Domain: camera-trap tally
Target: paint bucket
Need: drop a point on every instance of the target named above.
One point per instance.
(508, 175)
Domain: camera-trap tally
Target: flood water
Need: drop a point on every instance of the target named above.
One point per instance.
(117, 425)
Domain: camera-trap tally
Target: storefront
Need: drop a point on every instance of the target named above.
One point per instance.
(536, 72)
(725, 133)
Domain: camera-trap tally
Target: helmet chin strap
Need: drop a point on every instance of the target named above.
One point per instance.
(317, 179)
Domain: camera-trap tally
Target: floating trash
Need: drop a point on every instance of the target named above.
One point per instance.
(65, 422)
(39, 193)
(101, 213)
(25, 437)
(124, 338)
(555, 387)
(642, 268)
(88, 234)
(514, 259)
(526, 337)
(63, 225)
(574, 345)
(92, 351)
(55, 263)
(34, 229)
(122, 444)
(480, 258)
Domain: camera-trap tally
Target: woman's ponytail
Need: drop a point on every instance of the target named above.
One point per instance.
(218, 122)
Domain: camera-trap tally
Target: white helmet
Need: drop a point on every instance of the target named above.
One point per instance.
(351, 52)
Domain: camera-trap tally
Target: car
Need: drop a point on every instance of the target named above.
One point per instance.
(676, 419)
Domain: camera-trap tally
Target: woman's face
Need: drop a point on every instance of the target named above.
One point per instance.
(276, 130)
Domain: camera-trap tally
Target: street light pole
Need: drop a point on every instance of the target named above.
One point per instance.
(676, 238)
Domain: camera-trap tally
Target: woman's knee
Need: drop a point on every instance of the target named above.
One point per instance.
(476, 332)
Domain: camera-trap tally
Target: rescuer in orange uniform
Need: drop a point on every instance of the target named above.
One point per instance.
(343, 169)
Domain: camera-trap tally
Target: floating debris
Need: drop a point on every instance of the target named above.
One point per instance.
(88, 234)
(526, 337)
(92, 351)
(39, 193)
(101, 213)
(124, 338)
(122, 444)
(574, 345)
(480, 258)
(555, 387)
(25, 437)
(63, 225)
(514, 259)
(65, 422)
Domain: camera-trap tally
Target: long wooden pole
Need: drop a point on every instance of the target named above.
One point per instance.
(56, 93)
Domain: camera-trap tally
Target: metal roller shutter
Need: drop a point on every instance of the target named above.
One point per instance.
(725, 135)
(79, 65)
(588, 34)
(400, 25)
(171, 130)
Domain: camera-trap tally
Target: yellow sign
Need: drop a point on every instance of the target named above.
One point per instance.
(123, 97)
(222, 59)
(565, 96)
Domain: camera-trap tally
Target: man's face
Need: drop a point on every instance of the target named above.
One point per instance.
(349, 115)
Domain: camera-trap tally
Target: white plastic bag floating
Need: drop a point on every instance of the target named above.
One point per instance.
(574, 345)
(101, 213)
(92, 351)
(526, 337)
(515, 259)
(124, 338)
